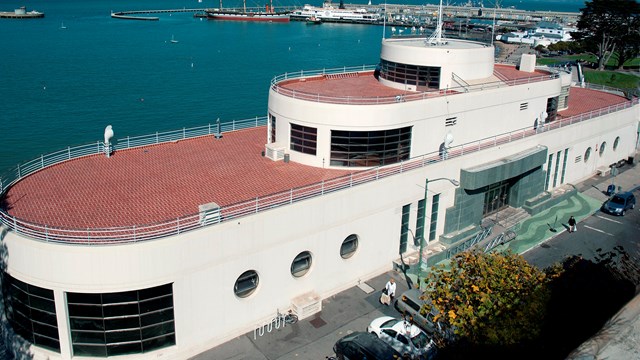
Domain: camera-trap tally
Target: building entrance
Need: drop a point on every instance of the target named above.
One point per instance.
(496, 197)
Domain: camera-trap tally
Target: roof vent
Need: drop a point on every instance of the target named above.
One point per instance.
(528, 63)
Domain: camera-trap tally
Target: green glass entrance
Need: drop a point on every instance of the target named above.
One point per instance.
(496, 197)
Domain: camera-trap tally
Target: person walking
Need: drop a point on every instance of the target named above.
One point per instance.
(391, 289)
(572, 225)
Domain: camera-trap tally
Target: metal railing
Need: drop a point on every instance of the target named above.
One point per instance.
(29, 167)
(364, 100)
(186, 223)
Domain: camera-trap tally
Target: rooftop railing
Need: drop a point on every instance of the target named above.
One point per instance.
(13, 175)
(362, 100)
(179, 225)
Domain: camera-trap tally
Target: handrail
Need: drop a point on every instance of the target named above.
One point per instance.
(190, 222)
(364, 100)
(29, 167)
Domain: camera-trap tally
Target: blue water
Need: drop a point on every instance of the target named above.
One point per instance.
(61, 87)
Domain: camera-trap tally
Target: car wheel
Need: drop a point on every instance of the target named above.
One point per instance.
(622, 213)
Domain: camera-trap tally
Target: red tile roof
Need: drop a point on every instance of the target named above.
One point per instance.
(156, 183)
(582, 101)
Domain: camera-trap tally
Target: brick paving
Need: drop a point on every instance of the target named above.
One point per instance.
(156, 183)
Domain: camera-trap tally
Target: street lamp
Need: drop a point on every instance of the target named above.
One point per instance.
(454, 182)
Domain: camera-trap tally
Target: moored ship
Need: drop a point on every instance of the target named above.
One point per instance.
(268, 15)
(329, 13)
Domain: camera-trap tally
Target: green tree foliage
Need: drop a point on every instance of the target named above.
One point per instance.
(609, 26)
(489, 299)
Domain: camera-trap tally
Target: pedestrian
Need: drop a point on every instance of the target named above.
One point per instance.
(572, 225)
(391, 289)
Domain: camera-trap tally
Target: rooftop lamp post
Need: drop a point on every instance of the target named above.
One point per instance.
(454, 182)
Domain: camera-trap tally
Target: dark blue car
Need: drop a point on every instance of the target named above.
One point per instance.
(619, 203)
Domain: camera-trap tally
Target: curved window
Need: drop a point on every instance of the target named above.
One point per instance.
(421, 76)
(303, 139)
(603, 147)
(370, 148)
(128, 322)
(246, 284)
(349, 246)
(587, 154)
(301, 264)
(616, 142)
(31, 312)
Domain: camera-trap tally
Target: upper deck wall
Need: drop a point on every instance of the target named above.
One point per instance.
(466, 59)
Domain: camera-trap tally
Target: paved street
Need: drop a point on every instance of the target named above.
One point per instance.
(353, 309)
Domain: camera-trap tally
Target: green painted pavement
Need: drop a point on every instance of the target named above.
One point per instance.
(540, 227)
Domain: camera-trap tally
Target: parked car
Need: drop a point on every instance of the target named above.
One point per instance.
(619, 203)
(364, 345)
(406, 338)
(409, 304)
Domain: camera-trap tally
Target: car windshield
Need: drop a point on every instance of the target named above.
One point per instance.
(389, 323)
(618, 200)
(420, 340)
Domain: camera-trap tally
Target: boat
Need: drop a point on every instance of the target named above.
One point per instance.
(268, 15)
(329, 13)
(62, 25)
(173, 40)
(177, 242)
(313, 21)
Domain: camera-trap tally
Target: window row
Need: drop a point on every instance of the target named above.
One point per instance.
(248, 281)
(427, 76)
(370, 148)
(31, 312)
(304, 139)
(101, 325)
(601, 149)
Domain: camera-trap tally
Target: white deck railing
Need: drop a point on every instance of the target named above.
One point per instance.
(186, 223)
(375, 100)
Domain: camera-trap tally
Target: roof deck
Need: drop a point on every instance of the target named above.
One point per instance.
(360, 87)
(155, 191)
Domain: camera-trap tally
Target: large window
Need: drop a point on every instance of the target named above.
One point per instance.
(129, 322)
(303, 139)
(425, 76)
(435, 204)
(404, 228)
(272, 123)
(370, 148)
(552, 109)
(31, 312)
(422, 204)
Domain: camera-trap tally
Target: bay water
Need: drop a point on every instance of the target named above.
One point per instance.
(61, 87)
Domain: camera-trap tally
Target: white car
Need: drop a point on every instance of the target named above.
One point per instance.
(404, 337)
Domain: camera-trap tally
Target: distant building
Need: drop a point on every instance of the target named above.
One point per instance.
(544, 33)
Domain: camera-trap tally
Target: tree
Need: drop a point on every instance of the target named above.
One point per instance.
(489, 299)
(604, 26)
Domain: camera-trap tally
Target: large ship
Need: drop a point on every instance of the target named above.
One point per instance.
(268, 15)
(167, 245)
(328, 13)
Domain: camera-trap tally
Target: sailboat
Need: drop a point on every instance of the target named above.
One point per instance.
(269, 15)
(62, 25)
(173, 40)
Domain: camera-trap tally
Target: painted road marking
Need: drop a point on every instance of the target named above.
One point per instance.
(598, 230)
(606, 218)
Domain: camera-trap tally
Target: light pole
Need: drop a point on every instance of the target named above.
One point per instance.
(454, 182)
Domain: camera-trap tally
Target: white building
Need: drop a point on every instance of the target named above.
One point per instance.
(166, 250)
(544, 33)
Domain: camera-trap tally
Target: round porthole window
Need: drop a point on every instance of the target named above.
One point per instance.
(603, 147)
(616, 142)
(587, 154)
(349, 246)
(301, 264)
(246, 284)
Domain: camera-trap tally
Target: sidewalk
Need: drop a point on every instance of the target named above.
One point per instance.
(353, 309)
